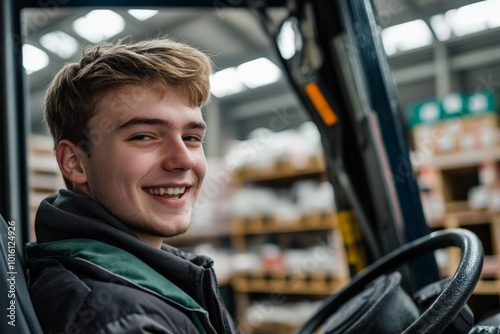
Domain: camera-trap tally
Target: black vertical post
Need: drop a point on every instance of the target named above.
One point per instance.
(384, 101)
(14, 204)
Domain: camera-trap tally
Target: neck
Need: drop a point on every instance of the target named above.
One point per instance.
(151, 240)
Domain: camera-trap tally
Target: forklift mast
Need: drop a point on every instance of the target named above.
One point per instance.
(342, 76)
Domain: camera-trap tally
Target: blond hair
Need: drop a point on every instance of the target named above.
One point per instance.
(159, 64)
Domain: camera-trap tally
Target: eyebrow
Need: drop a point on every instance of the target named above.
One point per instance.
(160, 122)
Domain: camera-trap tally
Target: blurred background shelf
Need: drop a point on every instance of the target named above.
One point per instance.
(316, 283)
(282, 170)
(456, 160)
(258, 224)
(288, 222)
(44, 177)
(459, 179)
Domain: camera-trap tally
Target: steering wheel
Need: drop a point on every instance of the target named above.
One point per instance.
(446, 306)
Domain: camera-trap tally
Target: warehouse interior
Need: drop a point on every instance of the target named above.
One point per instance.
(267, 214)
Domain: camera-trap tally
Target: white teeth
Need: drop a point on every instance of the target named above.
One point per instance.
(167, 191)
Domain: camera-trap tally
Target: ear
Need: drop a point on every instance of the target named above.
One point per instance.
(70, 160)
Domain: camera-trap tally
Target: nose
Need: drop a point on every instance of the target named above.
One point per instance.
(177, 156)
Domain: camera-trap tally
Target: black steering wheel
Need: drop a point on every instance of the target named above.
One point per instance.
(446, 306)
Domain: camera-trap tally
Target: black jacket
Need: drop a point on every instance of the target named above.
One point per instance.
(88, 273)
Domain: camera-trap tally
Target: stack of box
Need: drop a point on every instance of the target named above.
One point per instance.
(457, 125)
(458, 122)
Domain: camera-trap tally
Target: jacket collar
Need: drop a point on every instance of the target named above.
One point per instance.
(68, 215)
(125, 265)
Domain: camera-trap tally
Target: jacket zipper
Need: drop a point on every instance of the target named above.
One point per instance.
(213, 303)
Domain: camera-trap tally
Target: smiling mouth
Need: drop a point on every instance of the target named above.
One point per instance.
(168, 192)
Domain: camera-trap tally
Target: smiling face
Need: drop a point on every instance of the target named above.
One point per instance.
(146, 162)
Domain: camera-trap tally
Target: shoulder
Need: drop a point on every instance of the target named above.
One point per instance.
(72, 300)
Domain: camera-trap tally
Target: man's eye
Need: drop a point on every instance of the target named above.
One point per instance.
(193, 138)
(141, 138)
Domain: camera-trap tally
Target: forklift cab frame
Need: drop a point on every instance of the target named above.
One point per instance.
(340, 73)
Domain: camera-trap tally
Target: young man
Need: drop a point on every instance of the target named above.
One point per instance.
(128, 134)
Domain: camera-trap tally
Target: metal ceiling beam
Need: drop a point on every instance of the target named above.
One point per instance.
(284, 101)
(466, 61)
(144, 3)
(242, 36)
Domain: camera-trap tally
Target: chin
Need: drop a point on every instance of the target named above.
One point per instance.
(179, 228)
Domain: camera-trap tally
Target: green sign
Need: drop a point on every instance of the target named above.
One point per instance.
(451, 106)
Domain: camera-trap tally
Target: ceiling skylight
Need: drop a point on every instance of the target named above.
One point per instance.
(396, 38)
(474, 18)
(440, 27)
(34, 59)
(258, 72)
(467, 20)
(470, 24)
(142, 14)
(493, 17)
(99, 25)
(225, 82)
(59, 43)
(458, 22)
(252, 74)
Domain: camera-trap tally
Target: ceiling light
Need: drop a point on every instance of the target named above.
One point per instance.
(258, 72)
(142, 14)
(390, 45)
(34, 59)
(469, 19)
(59, 43)
(252, 74)
(225, 82)
(99, 25)
(493, 17)
(395, 38)
(440, 27)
